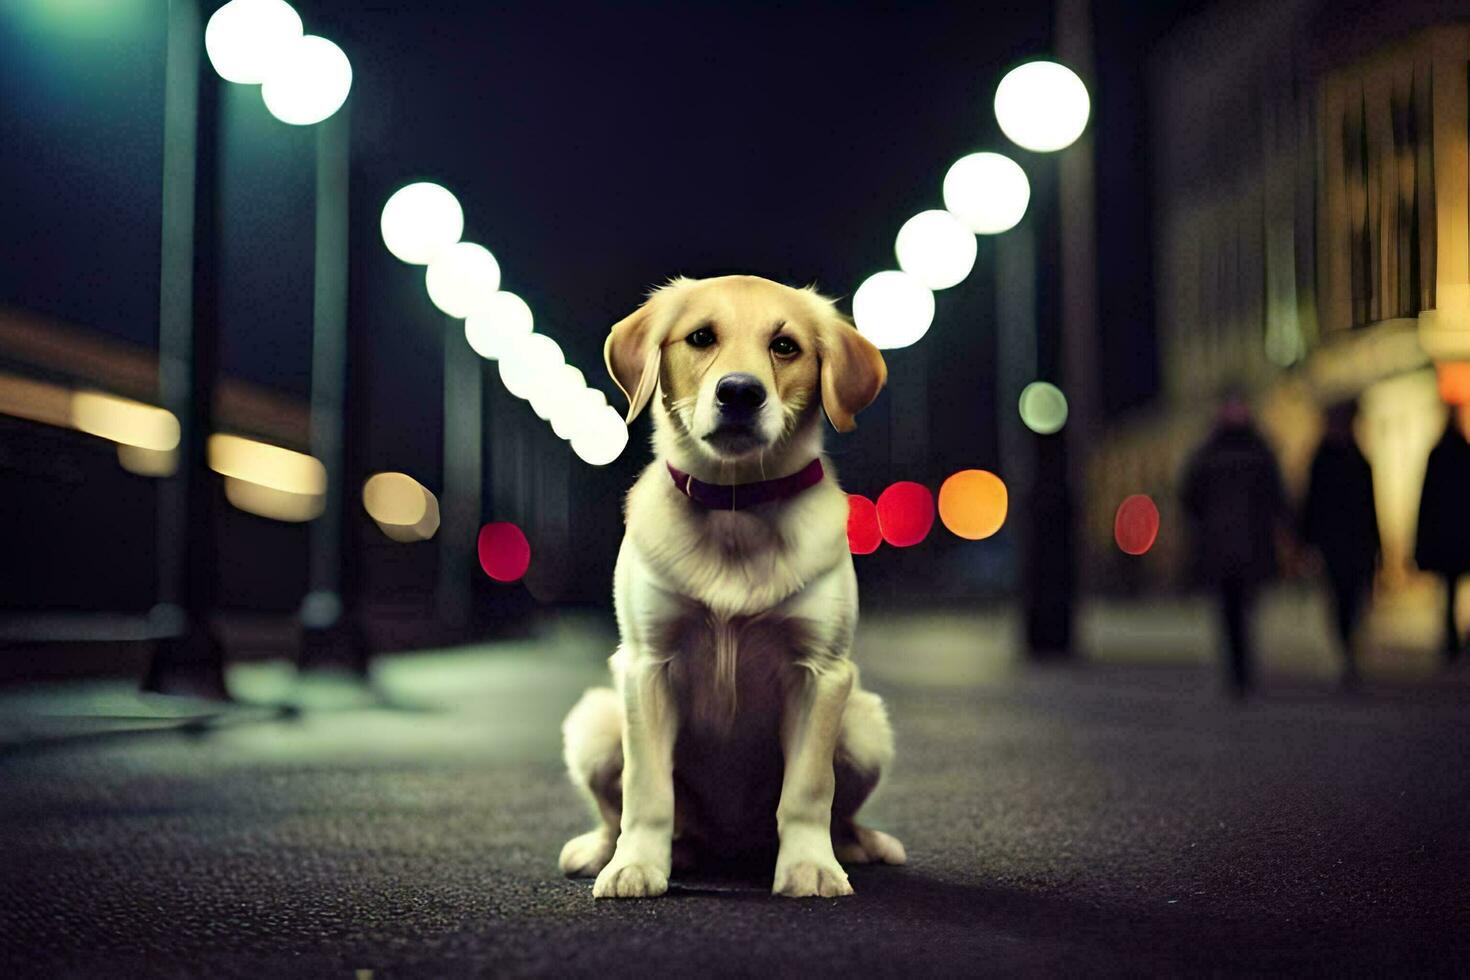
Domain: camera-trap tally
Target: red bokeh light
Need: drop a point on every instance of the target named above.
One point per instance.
(1136, 526)
(863, 535)
(905, 513)
(505, 554)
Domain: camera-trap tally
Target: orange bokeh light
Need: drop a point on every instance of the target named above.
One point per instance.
(1136, 525)
(1454, 382)
(973, 504)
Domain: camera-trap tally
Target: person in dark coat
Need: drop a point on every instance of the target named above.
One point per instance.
(1443, 540)
(1233, 495)
(1340, 520)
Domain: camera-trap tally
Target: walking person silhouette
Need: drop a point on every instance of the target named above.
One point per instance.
(1233, 494)
(1443, 539)
(1340, 520)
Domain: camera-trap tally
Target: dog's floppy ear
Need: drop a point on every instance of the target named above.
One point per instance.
(853, 371)
(632, 356)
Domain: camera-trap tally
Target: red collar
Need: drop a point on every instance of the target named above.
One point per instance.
(738, 496)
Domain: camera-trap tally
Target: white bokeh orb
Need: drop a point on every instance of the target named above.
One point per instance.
(244, 38)
(308, 83)
(530, 363)
(462, 279)
(555, 388)
(987, 191)
(1042, 106)
(580, 408)
(505, 319)
(419, 220)
(936, 248)
(892, 309)
(602, 438)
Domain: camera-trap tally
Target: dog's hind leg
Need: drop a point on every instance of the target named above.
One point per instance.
(864, 751)
(592, 742)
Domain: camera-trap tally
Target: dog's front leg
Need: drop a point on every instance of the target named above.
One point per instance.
(812, 719)
(640, 864)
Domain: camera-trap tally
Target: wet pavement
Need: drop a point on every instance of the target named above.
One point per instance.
(1103, 818)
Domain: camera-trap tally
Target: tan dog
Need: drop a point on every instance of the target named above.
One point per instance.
(737, 725)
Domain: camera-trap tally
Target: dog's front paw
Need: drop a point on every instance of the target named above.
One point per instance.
(802, 878)
(630, 879)
(586, 855)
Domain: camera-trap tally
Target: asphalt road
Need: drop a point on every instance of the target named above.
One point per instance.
(1101, 819)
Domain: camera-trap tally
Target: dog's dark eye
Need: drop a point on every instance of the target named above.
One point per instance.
(784, 347)
(703, 337)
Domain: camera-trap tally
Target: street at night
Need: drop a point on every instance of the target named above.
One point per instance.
(1107, 818)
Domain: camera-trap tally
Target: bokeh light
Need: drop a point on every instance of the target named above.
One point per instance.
(988, 192)
(601, 438)
(245, 38)
(935, 248)
(530, 363)
(419, 220)
(1136, 526)
(892, 309)
(1043, 408)
(505, 319)
(1454, 382)
(559, 385)
(309, 82)
(265, 465)
(905, 513)
(1042, 106)
(973, 504)
(273, 502)
(504, 552)
(576, 410)
(394, 498)
(863, 534)
(124, 421)
(462, 279)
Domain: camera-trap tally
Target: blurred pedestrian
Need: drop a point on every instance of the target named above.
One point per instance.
(1443, 540)
(1233, 495)
(1339, 519)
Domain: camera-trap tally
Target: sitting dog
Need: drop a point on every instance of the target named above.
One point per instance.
(736, 726)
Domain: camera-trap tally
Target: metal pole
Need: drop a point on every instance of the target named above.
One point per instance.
(331, 635)
(189, 658)
(460, 513)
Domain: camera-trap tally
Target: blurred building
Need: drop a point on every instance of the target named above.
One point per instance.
(1311, 243)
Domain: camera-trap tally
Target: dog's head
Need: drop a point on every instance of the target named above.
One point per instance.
(741, 363)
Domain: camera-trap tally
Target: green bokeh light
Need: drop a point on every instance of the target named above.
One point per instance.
(1043, 408)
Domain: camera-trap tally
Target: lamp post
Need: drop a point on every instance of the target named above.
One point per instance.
(188, 658)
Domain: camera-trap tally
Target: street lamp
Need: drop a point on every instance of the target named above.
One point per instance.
(892, 309)
(989, 192)
(1042, 106)
(307, 82)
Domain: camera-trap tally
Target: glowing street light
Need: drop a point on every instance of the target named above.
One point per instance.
(556, 387)
(892, 309)
(308, 83)
(462, 278)
(988, 192)
(245, 38)
(935, 248)
(505, 319)
(1042, 106)
(602, 438)
(419, 220)
(530, 364)
(580, 408)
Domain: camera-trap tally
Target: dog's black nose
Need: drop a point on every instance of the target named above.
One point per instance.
(740, 394)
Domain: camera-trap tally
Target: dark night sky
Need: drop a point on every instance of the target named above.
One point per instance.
(598, 150)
